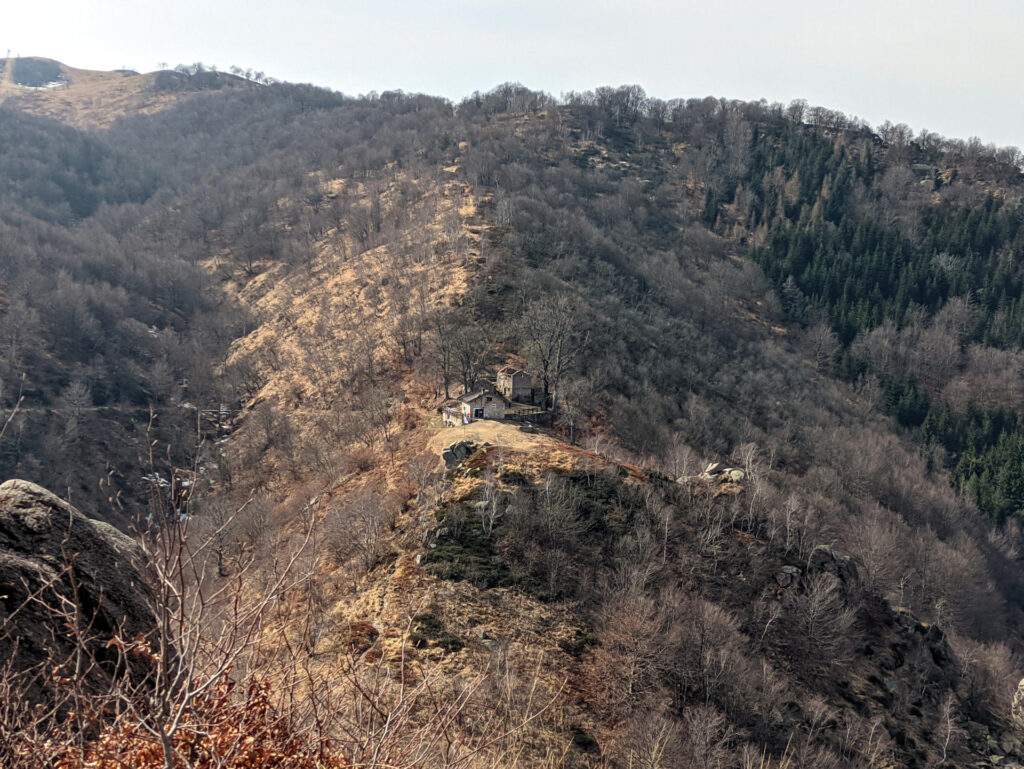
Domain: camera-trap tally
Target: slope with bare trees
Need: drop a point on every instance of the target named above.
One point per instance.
(234, 320)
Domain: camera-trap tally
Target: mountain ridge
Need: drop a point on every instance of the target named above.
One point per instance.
(91, 99)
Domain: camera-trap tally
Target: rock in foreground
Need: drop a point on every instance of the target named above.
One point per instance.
(63, 577)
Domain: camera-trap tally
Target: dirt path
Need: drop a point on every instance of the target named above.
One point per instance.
(496, 433)
(533, 453)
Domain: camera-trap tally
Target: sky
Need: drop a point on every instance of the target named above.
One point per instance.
(951, 66)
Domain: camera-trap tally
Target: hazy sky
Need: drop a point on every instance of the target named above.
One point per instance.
(949, 66)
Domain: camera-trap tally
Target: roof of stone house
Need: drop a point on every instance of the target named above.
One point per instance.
(511, 371)
(470, 397)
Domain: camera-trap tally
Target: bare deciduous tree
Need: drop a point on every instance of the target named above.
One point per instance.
(551, 331)
(443, 327)
(822, 620)
(356, 528)
(823, 345)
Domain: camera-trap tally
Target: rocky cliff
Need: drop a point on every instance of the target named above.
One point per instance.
(68, 586)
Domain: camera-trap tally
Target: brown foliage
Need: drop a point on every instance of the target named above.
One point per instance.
(220, 729)
(359, 460)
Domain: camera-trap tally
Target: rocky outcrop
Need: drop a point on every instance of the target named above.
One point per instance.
(721, 472)
(66, 583)
(718, 478)
(457, 452)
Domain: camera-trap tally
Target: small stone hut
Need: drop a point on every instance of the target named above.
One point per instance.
(480, 404)
(515, 385)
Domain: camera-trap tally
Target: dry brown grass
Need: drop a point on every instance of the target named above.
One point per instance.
(314, 311)
(92, 99)
(310, 314)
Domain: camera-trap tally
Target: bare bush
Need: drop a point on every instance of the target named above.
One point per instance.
(820, 621)
(707, 737)
(356, 528)
(989, 674)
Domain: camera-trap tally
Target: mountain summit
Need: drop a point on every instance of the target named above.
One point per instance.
(92, 99)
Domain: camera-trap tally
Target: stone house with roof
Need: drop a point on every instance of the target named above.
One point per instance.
(481, 404)
(515, 385)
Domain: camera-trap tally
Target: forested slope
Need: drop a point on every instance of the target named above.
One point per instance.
(893, 292)
(686, 342)
(115, 246)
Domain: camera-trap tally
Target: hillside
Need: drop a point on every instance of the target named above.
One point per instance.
(78, 97)
(266, 295)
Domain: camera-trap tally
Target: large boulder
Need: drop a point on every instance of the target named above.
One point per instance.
(824, 559)
(457, 452)
(68, 587)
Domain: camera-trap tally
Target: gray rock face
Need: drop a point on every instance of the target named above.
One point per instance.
(824, 559)
(787, 575)
(457, 452)
(53, 558)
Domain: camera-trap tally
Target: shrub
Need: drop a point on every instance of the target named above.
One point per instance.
(360, 460)
(220, 730)
(35, 74)
(428, 628)
(465, 551)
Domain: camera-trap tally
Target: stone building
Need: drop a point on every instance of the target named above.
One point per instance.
(480, 404)
(515, 385)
